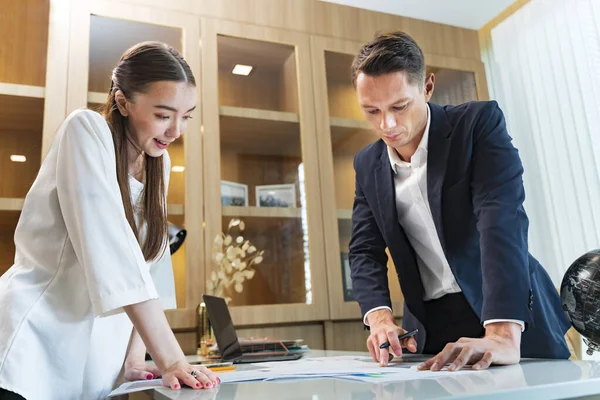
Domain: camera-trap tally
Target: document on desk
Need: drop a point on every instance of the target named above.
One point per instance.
(136, 386)
(362, 369)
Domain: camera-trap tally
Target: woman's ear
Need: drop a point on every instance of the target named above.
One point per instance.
(122, 103)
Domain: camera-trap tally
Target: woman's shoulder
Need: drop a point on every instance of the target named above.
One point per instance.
(85, 124)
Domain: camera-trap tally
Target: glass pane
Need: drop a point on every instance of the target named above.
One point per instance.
(262, 176)
(8, 224)
(24, 41)
(350, 132)
(271, 83)
(21, 122)
(453, 87)
(109, 39)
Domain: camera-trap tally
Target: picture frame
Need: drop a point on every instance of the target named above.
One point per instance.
(276, 196)
(346, 278)
(234, 194)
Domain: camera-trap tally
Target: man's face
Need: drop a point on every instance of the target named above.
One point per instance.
(396, 108)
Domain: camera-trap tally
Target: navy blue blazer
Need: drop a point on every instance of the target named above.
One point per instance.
(476, 194)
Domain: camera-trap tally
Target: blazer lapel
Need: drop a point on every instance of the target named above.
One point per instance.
(386, 197)
(399, 246)
(437, 159)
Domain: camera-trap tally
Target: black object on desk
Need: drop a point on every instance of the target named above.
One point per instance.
(401, 337)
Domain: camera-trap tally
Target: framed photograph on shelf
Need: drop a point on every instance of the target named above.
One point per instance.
(347, 280)
(276, 196)
(234, 194)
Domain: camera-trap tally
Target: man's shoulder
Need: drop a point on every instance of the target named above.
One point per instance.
(469, 110)
(370, 154)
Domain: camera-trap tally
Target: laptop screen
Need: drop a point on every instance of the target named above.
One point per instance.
(222, 325)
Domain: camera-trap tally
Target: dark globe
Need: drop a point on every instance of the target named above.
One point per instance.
(580, 298)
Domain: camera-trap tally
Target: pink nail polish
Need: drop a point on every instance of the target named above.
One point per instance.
(219, 379)
(209, 385)
(149, 376)
(176, 386)
(197, 384)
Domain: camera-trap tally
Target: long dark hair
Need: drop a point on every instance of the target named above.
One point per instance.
(140, 66)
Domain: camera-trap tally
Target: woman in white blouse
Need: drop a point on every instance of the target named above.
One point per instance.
(81, 301)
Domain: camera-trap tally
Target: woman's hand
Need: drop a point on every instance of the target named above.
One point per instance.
(140, 371)
(194, 376)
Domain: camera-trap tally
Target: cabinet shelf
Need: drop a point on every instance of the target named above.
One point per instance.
(10, 204)
(175, 209)
(344, 214)
(97, 97)
(255, 113)
(349, 123)
(259, 132)
(12, 89)
(268, 212)
(348, 136)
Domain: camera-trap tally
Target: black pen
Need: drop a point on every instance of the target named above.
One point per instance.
(406, 335)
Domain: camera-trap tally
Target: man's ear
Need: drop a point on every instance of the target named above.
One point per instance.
(122, 103)
(429, 85)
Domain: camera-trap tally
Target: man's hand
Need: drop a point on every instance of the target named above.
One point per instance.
(384, 329)
(501, 345)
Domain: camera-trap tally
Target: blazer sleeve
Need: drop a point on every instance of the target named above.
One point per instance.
(498, 195)
(368, 259)
(114, 267)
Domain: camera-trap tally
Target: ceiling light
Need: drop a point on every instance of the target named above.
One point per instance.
(177, 168)
(240, 69)
(18, 158)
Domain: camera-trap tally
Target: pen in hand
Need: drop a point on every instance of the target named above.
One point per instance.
(401, 337)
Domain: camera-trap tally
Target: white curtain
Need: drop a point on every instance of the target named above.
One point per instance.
(545, 74)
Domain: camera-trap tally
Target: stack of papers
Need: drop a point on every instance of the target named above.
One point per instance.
(361, 369)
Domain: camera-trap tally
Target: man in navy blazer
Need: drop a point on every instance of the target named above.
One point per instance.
(442, 190)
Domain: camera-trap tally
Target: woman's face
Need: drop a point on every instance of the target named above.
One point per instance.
(158, 117)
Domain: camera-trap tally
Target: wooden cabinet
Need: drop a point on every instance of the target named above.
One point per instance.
(273, 148)
(260, 138)
(23, 48)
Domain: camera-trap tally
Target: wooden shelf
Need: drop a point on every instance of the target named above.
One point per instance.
(268, 212)
(12, 89)
(344, 214)
(8, 204)
(97, 97)
(260, 132)
(349, 123)
(348, 136)
(175, 209)
(254, 113)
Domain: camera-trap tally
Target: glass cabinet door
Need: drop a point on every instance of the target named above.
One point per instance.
(106, 33)
(339, 115)
(264, 252)
(345, 133)
(23, 45)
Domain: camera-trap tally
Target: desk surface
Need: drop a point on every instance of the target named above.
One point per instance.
(531, 379)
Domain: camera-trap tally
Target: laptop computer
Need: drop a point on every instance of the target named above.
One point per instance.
(227, 339)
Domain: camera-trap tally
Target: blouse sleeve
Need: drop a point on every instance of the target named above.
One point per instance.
(88, 192)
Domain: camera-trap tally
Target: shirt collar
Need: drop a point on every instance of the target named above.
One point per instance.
(395, 159)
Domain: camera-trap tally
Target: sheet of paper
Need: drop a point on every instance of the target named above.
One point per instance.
(361, 369)
(402, 375)
(136, 386)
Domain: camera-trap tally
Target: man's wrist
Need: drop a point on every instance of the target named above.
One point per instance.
(383, 315)
(509, 331)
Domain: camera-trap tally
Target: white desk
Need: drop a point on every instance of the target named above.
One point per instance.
(531, 379)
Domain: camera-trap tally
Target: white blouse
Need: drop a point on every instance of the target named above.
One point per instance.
(63, 332)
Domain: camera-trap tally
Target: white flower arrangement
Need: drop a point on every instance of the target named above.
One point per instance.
(235, 257)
